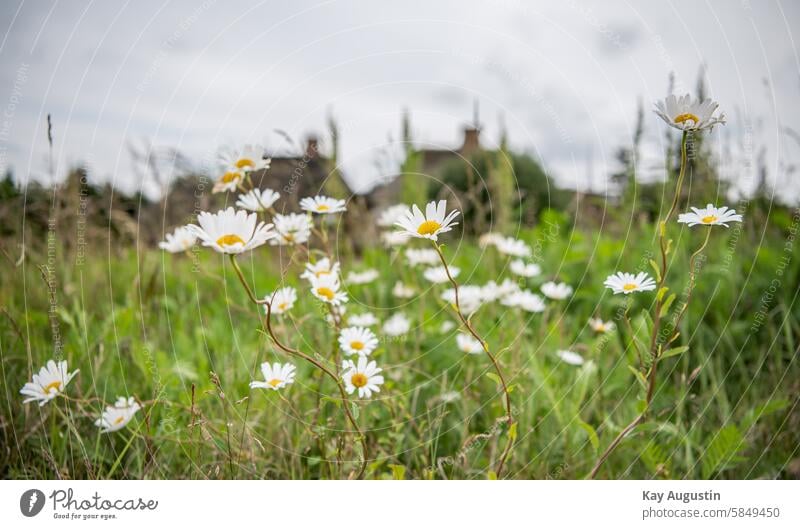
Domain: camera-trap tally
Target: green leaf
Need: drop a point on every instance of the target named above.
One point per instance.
(494, 377)
(512, 432)
(722, 451)
(666, 305)
(354, 409)
(661, 292)
(639, 376)
(767, 408)
(593, 439)
(491, 475)
(398, 472)
(675, 351)
(657, 271)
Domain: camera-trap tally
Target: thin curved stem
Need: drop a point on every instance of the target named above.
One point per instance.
(495, 363)
(311, 360)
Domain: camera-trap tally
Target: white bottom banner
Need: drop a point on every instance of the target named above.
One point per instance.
(396, 504)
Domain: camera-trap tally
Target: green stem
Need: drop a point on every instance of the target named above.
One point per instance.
(311, 360)
(654, 345)
(495, 363)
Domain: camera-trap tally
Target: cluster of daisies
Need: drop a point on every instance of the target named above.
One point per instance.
(254, 222)
(356, 340)
(51, 381)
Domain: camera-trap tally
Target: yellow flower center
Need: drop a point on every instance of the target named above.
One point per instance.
(230, 176)
(601, 327)
(326, 293)
(323, 207)
(627, 287)
(709, 219)
(687, 117)
(53, 385)
(283, 306)
(356, 345)
(241, 163)
(429, 227)
(274, 382)
(289, 237)
(119, 419)
(359, 380)
(230, 240)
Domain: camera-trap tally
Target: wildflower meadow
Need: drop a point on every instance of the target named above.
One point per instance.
(257, 343)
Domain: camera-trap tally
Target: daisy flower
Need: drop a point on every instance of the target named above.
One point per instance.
(391, 215)
(468, 344)
(423, 256)
(523, 269)
(323, 267)
(276, 376)
(362, 278)
(116, 417)
(710, 216)
(366, 319)
(625, 283)
(282, 300)
(250, 158)
(489, 239)
(491, 291)
(231, 231)
(600, 326)
(525, 300)
(438, 274)
(180, 240)
(395, 238)
(294, 228)
(357, 341)
(48, 384)
(322, 205)
(446, 327)
(431, 224)
(362, 376)
(403, 291)
(326, 288)
(687, 113)
(229, 181)
(258, 199)
(570, 357)
(513, 247)
(397, 325)
(470, 297)
(556, 290)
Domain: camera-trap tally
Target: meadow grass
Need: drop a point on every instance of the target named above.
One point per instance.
(179, 333)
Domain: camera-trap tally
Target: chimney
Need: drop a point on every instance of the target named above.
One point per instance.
(471, 140)
(312, 148)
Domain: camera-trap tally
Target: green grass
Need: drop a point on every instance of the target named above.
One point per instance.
(157, 326)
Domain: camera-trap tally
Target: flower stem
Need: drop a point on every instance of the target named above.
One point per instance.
(654, 345)
(495, 363)
(311, 360)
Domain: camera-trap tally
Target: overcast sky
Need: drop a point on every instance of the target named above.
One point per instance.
(564, 76)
